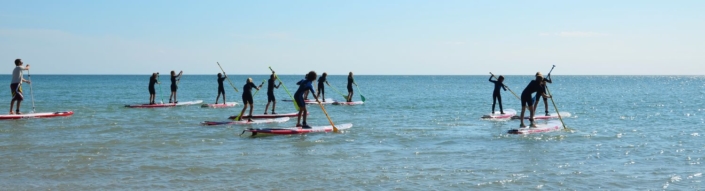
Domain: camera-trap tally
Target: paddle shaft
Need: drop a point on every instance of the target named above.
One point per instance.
(556, 107)
(335, 129)
(510, 90)
(31, 93)
(361, 96)
(160, 88)
(336, 91)
(226, 76)
(285, 89)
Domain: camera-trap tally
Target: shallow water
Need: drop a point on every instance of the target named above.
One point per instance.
(413, 133)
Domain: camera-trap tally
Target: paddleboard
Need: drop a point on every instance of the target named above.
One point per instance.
(158, 105)
(348, 103)
(220, 105)
(37, 115)
(245, 122)
(294, 130)
(262, 116)
(540, 128)
(542, 116)
(313, 101)
(508, 113)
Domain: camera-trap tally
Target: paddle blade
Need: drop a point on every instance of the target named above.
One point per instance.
(362, 98)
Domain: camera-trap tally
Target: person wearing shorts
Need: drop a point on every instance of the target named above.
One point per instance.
(270, 93)
(247, 98)
(304, 86)
(16, 85)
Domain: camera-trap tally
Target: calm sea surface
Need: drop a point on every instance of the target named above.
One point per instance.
(413, 133)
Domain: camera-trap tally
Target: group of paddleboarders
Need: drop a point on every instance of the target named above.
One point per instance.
(537, 86)
(154, 79)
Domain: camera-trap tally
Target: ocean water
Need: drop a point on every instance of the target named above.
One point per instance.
(413, 133)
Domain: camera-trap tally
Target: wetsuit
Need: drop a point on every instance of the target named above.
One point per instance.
(173, 84)
(321, 88)
(536, 98)
(496, 96)
(270, 91)
(247, 93)
(534, 86)
(350, 83)
(152, 81)
(221, 89)
(299, 95)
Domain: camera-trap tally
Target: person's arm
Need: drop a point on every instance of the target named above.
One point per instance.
(327, 83)
(548, 79)
(491, 78)
(277, 86)
(504, 87)
(313, 92)
(353, 81)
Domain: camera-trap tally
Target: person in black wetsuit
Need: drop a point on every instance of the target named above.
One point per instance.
(545, 100)
(174, 81)
(321, 88)
(270, 93)
(305, 85)
(152, 93)
(527, 102)
(247, 98)
(496, 96)
(351, 81)
(221, 89)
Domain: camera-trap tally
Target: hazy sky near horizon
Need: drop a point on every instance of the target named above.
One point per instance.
(366, 37)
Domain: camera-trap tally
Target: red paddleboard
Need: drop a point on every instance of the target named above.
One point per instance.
(508, 113)
(37, 115)
(348, 103)
(295, 130)
(220, 105)
(261, 116)
(541, 116)
(158, 105)
(540, 128)
(245, 122)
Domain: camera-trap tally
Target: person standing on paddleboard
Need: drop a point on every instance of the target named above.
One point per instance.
(247, 98)
(221, 89)
(270, 93)
(304, 86)
(152, 92)
(527, 101)
(496, 96)
(351, 81)
(16, 85)
(545, 100)
(321, 88)
(174, 82)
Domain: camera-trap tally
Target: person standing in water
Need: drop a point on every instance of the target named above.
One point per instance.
(304, 86)
(174, 82)
(16, 85)
(545, 100)
(496, 96)
(270, 93)
(527, 102)
(351, 81)
(247, 98)
(152, 92)
(321, 88)
(221, 89)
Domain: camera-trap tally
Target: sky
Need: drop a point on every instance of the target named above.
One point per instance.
(367, 37)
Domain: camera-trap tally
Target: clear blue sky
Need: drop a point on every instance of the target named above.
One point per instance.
(366, 37)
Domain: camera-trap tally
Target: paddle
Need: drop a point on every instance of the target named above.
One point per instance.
(287, 90)
(226, 76)
(335, 129)
(556, 107)
(160, 89)
(30, 89)
(336, 91)
(510, 90)
(361, 96)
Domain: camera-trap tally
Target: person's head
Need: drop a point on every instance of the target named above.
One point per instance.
(271, 76)
(311, 76)
(220, 75)
(18, 62)
(173, 73)
(249, 80)
(324, 74)
(538, 74)
(350, 74)
(500, 79)
(539, 77)
(154, 75)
